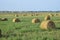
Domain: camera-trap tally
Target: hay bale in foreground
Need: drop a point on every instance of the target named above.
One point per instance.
(35, 20)
(47, 17)
(16, 20)
(46, 25)
(4, 19)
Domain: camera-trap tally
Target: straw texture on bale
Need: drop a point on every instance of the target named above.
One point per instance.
(46, 25)
(47, 17)
(35, 20)
(16, 20)
(4, 19)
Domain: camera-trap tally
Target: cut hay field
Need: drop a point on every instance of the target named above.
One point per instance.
(26, 30)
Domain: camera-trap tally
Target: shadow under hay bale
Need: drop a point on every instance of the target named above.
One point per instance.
(16, 20)
(47, 17)
(4, 19)
(35, 20)
(47, 25)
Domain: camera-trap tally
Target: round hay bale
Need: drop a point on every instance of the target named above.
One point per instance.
(36, 14)
(35, 20)
(16, 20)
(56, 14)
(46, 25)
(32, 15)
(51, 15)
(24, 14)
(4, 19)
(16, 15)
(47, 17)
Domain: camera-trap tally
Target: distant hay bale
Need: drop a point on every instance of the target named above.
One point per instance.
(4, 19)
(24, 14)
(35, 20)
(56, 14)
(46, 25)
(16, 20)
(16, 15)
(32, 15)
(47, 17)
(51, 15)
(36, 14)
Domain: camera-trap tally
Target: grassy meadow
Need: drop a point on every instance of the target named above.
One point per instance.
(26, 30)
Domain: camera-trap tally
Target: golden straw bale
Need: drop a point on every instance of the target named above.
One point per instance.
(31, 15)
(35, 20)
(45, 25)
(4, 19)
(51, 15)
(16, 20)
(36, 14)
(24, 14)
(16, 15)
(47, 17)
(56, 14)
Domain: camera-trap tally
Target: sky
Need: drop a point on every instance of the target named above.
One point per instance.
(29, 5)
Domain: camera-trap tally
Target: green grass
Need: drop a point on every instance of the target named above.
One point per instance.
(26, 30)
